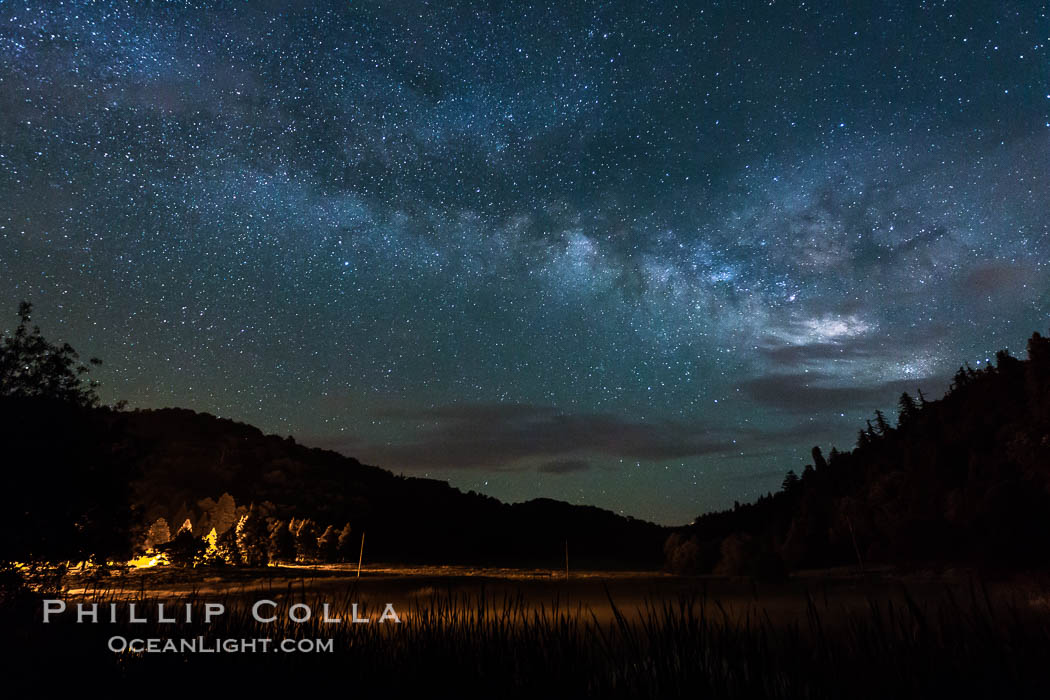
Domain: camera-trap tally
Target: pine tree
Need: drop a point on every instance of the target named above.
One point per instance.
(184, 549)
(227, 550)
(281, 542)
(223, 516)
(211, 549)
(306, 535)
(328, 544)
(252, 539)
(909, 409)
(206, 507)
(158, 534)
(880, 423)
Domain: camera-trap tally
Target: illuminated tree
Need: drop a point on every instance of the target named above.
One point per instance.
(306, 534)
(345, 544)
(328, 544)
(226, 548)
(224, 516)
(158, 533)
(221, 514)
(211, 549)
(252, 539)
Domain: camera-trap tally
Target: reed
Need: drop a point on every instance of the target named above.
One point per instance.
(501, 646)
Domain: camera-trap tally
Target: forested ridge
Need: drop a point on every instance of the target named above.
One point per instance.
(189, 459)
(963, 479)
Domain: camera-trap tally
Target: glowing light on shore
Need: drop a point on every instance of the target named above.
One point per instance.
(149, 560)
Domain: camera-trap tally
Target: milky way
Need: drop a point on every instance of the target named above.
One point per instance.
(640, 256)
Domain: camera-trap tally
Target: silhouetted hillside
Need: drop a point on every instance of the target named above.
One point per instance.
(964, 479)
(189, 457)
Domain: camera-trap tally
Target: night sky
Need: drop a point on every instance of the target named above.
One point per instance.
(641, 256)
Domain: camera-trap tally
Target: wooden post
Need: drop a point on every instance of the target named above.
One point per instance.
(566, 560)
(361, 555)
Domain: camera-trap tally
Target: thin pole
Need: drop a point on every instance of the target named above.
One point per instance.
(566, 560)
(361, 555)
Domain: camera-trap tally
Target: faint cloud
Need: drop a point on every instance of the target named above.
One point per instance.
(992, 279)
(564, 466)
(812, 392)
(502, 436)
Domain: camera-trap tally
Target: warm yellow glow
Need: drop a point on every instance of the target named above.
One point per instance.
(213, 545)
(148, 560)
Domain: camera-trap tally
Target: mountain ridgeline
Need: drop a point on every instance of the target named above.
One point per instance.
(188, 459)
(961, 480)
(964, 479)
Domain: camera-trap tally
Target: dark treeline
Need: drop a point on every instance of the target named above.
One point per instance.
(60, 457)
(66, 460)
(189, 457)
(961, 480)
(92, 483)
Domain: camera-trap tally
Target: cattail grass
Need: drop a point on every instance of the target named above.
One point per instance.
(968, 644)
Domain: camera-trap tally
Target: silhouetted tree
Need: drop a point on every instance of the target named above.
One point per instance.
(226, 548)
(964, 377)
(306, 533)
(968, 481)
(328, 544)
(682, 554)
(909, 409)
(67, 462)
(281, 544)
(818, 458)
(1005, 362)
(746, 555)
(185, 549)
(345, 545)
(32, 367)
(881, 426)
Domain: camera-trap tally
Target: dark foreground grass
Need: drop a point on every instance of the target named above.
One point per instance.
(472, 645)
